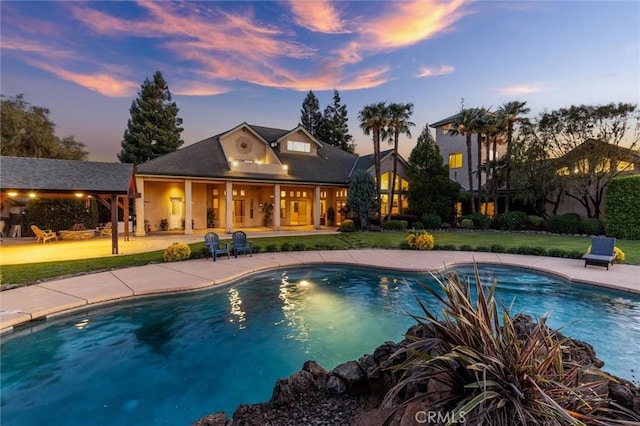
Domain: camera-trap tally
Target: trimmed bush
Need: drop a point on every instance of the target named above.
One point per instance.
(431, 221)
(418, 225)
(395, 225)
(347, 226)
(466, 223)
(286, 247)
(176, 252)
(480, 221)
(420, 240)
(466, 247)
(497, 248)
(569, 223)
(622, 208)
(512, 221)
(535, 222)
(272, 248)
(299, 247)
(592, 226)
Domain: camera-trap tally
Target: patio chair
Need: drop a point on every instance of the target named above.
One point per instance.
(106, 230)
(240, 244)
(216, 248)
(43, 236)
(601, 253)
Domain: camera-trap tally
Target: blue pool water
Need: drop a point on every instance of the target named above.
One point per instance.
(174, 359)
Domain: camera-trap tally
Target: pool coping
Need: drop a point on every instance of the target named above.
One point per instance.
(50, 298)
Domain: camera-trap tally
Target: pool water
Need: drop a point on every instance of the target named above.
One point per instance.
(174, 359)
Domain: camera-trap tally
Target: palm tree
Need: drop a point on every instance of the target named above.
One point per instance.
(511, 112)
(480, 126)
(464, 124)
(399, 115)
(373, 121)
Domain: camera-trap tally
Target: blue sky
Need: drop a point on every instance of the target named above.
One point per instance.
(236, 61)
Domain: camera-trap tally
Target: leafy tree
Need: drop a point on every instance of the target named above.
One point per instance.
(592, 145)
(430, 188)
(310, 116)
(510, 113)
(374, 119)
(362, 197)
(399, 115)
(154, 126)
(333, 128)
(27, 131)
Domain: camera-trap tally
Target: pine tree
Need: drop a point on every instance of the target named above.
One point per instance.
(334, 129)
(154, 126)
(311, 118)
(430, 188)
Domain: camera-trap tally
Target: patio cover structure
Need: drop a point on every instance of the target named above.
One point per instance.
(112, 184)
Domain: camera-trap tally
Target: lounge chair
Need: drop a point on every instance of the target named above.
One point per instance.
(216, 248)
(240, 244)
(601, 253)
(43, 236)
(106, 230)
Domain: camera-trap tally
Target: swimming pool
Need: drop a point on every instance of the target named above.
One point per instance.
(174, 359)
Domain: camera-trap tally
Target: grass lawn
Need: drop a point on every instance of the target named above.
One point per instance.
(24, 274)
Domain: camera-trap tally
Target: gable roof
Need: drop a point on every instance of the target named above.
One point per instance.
(207, 159)
(65, 176)
(444, 121)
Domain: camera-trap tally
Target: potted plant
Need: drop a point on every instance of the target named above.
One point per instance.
(164, 225)
(267, 214)
(211, 216)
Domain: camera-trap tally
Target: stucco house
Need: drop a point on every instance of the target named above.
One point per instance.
(253, 176)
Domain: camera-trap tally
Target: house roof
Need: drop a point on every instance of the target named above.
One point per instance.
(444, 121)
(207, 159)
(65, 176)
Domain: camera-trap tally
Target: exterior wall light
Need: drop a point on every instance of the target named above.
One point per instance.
(12, 193)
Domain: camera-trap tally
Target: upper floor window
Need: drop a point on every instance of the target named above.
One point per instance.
(297, 146)
(455, 160)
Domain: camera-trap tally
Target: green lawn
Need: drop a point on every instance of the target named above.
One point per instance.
(24, 274)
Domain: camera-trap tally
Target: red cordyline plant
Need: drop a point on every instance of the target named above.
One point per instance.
(491, 373)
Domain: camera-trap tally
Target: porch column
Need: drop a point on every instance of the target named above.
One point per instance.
(229, 207)
(276, 210)
(188, 207)
(316, 208)
(140, 228)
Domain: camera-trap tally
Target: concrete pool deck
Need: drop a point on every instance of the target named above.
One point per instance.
(39, 301)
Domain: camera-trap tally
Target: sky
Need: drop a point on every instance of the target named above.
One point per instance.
(239, 61)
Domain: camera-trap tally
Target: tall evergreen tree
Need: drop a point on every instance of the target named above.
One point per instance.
(334, 129)
(154, 126)
(430, 188)
(310, 116)
(362, 197)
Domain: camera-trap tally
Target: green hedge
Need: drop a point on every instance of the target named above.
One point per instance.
(480, 221)
(61, 214)
(569, 223)
(512, 221)
(622, 208)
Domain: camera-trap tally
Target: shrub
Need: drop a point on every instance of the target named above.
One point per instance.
(176, 252)
(480, 221)
(512, 221)
(446, 225)
(481, 248)
(272, 248)
(299, 247)
(535, 222)
(286, 247)
(348, 226)
(466, 247)
(420, 240)
(569, 223)
(466, 223)
(418, 225)
(622, 206)
(409, 218)
(497, 248)
(491, 367)
(395, 225)
(592, 226)
(431, 221)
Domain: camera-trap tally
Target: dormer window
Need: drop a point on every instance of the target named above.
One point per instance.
(297, 146)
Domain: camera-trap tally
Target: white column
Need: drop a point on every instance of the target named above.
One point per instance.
(140, 227)
(188, 207)
(316, 208)
(276, 210)
(229, 207)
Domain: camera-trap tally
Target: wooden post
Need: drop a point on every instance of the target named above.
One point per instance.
(114, 224)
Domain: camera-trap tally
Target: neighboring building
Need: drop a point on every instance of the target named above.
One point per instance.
(249, 173)
(454, 153)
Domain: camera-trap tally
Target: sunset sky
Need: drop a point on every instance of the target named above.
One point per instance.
(236, 61)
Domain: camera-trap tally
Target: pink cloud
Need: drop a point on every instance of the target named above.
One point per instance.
(101, 83)
(319, 16)
(432, 72)
(523, 89)
(33, 47)
(197, 88)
